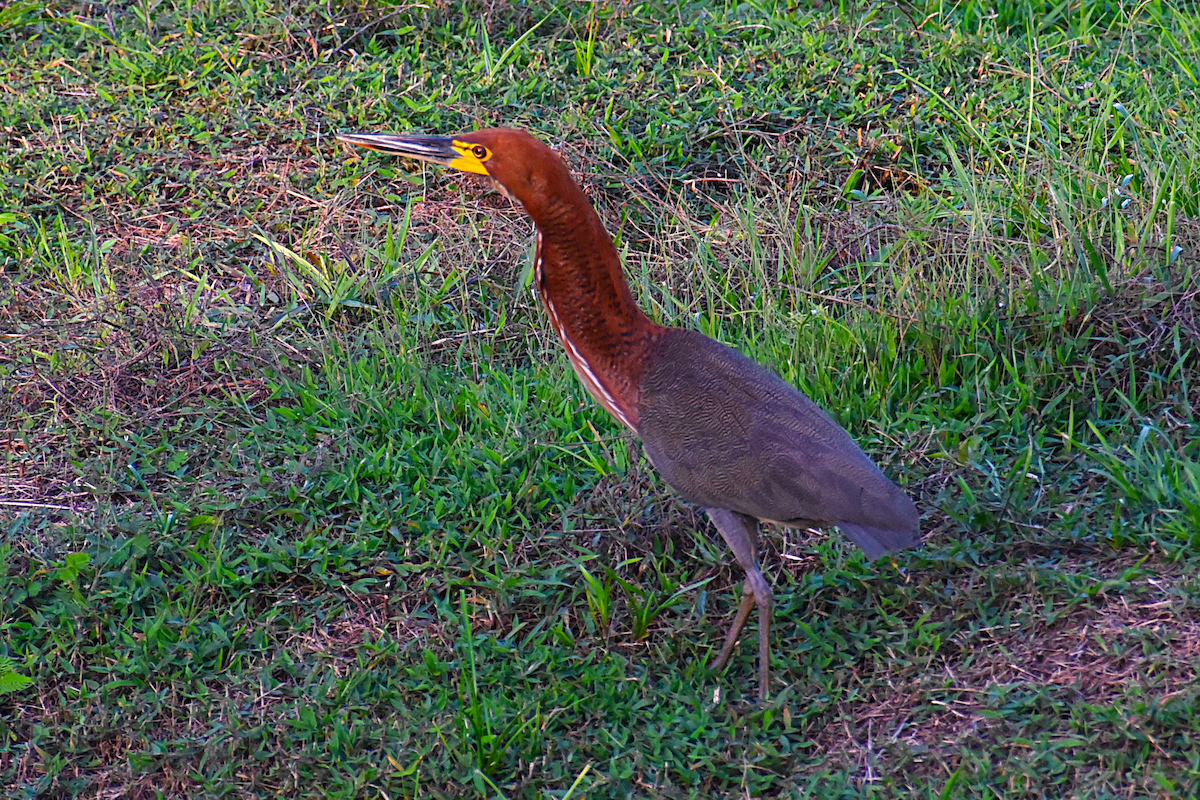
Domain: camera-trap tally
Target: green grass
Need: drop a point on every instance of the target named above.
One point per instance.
(300, 497)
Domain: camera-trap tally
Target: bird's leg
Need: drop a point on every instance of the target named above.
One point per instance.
(739, 620)
(740, 532)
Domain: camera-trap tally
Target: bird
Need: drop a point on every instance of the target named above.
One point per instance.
(727, 434)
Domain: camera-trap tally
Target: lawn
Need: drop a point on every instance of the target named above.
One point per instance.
(300, 497)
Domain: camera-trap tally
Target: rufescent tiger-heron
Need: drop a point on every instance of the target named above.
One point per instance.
(727, 434)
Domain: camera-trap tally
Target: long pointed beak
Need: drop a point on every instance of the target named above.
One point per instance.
(443, 150)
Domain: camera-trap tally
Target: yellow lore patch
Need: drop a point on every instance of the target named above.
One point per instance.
(470, 157)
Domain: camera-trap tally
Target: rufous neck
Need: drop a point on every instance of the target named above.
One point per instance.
(591, 308)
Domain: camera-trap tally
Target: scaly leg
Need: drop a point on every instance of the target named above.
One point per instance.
(739, 620)
(740, 532)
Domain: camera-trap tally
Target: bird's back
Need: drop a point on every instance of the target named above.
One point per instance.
(727, 433)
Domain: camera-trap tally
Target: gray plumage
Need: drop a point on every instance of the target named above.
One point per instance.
(727, 433)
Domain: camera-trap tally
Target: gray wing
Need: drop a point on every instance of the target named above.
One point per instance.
(727, 433)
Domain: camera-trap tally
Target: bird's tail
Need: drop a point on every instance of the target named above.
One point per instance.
(877, 541)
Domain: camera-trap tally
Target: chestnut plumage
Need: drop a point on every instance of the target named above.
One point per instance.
(727, 434)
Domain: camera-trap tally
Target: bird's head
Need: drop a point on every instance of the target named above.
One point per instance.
(519, 166)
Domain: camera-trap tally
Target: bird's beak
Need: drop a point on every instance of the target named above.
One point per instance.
(444, 150)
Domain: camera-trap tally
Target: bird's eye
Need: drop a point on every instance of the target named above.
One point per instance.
(479, 151)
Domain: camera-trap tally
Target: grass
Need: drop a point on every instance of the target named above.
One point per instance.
(300, 498)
